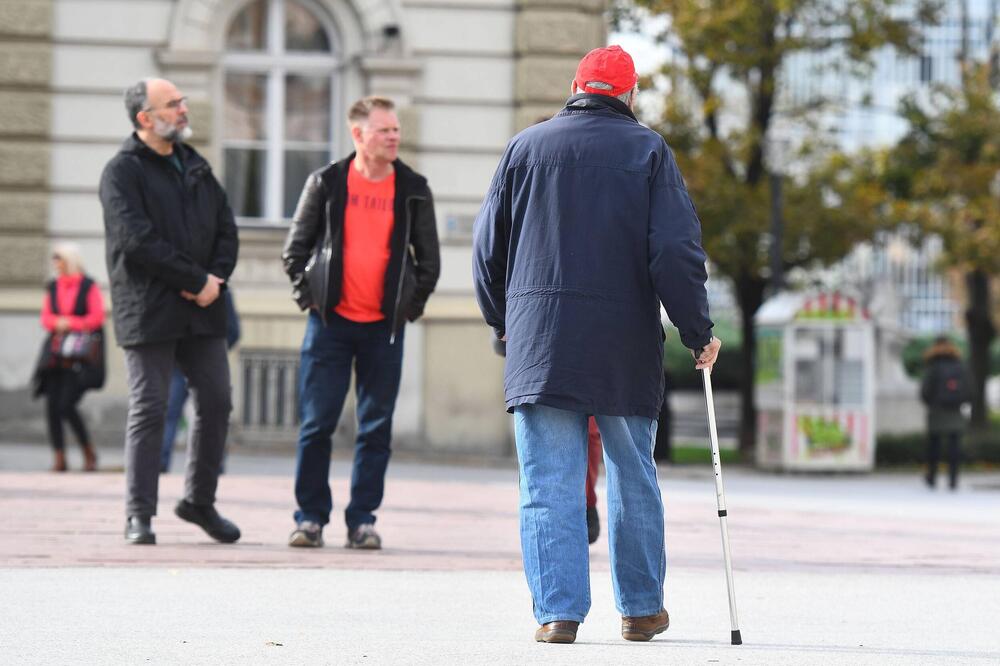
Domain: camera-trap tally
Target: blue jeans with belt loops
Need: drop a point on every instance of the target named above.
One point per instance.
(552, 455)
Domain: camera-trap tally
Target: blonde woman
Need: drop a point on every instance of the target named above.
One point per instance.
(72, 304)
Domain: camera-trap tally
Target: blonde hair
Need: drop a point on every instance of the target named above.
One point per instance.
(69, 253)
(361, 109)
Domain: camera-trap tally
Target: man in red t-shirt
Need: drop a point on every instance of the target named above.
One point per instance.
(362, 253)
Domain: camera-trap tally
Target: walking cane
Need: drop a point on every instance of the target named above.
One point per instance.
(721, 497)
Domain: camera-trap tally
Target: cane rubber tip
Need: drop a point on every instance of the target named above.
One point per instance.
(737, 639)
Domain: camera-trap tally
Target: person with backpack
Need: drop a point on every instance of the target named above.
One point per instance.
(72, 358)
(944, 390)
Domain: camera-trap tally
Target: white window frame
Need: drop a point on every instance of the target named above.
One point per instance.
(276, 63)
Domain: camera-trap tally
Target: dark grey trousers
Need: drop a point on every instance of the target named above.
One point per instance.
(204, 363)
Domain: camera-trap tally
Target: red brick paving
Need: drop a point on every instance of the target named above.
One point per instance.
(71, 520)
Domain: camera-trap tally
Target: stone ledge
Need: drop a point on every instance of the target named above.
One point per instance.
(591, 6)
(21, 300)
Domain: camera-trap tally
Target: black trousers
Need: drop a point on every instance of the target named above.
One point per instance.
(63, 393)
(953, 441)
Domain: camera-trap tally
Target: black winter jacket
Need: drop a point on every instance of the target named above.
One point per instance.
(313, 252)
(164, 233)
(586, 229)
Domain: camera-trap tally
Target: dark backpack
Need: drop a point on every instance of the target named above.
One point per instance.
(952, 389)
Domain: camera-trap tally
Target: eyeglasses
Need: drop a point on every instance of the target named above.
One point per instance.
(173, 104)
(56, 257)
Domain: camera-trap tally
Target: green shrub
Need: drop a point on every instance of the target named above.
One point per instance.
(908, 449)
(984, 446)
(697, 455)
(911, 449)
(913, 354)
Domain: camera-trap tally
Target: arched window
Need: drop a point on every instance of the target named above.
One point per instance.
(280, 112)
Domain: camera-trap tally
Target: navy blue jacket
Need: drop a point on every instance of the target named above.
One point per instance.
(586, 228)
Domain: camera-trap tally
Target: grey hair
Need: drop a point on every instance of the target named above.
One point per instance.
(69, 253)
(601, 85)
(136, 99)
(625, 97)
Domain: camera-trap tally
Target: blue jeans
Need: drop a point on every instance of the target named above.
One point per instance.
(552, 455)
(324, 378)
(175, 407)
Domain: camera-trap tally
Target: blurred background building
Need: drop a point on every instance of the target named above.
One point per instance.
(846, 109)
(862, 111)
(269, 82)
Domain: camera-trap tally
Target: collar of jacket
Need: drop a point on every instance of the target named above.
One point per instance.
(190, 158)
(407, 180)
(593, 102)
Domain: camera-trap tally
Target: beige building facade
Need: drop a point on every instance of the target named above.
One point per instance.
(269, 82)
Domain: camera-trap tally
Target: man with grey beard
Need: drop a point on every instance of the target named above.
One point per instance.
(171, 244)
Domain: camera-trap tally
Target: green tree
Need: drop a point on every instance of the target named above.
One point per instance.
(944, 176)
(735, 49)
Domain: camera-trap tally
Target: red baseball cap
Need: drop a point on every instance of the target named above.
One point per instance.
(608, 64)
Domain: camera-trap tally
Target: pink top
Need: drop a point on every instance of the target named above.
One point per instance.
(67, 287)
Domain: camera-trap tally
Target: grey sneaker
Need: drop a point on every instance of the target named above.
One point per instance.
(364, 537)
(307, 534)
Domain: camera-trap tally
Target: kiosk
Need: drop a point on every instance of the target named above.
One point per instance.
(815, 379)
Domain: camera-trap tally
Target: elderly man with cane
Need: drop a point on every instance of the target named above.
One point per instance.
(587, 227)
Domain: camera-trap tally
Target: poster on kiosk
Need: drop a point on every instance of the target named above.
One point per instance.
(815, 379)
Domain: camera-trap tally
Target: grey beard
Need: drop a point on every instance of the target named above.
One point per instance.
(171, 133)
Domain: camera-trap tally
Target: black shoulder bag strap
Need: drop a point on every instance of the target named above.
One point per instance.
(53, 300)
(80, 308)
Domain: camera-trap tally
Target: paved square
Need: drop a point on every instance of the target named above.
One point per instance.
(831, 569)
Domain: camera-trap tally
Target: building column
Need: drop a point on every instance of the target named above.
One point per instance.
(551, 37)
(25, 75)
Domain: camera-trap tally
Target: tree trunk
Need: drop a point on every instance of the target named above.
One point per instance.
(749, 297)
(981, 333)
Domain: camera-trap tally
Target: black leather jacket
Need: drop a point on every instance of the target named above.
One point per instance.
(313, 252)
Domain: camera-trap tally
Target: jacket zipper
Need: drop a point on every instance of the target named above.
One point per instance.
(402, 270)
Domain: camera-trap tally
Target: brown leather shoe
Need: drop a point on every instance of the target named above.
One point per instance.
(645, 627)
(59, 461)
(560, 631)
(89, 459)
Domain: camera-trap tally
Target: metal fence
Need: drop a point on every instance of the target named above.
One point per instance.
(269, 391)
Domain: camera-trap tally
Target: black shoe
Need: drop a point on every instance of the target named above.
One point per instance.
(139, 530)
(593, 524)
(208, 519)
